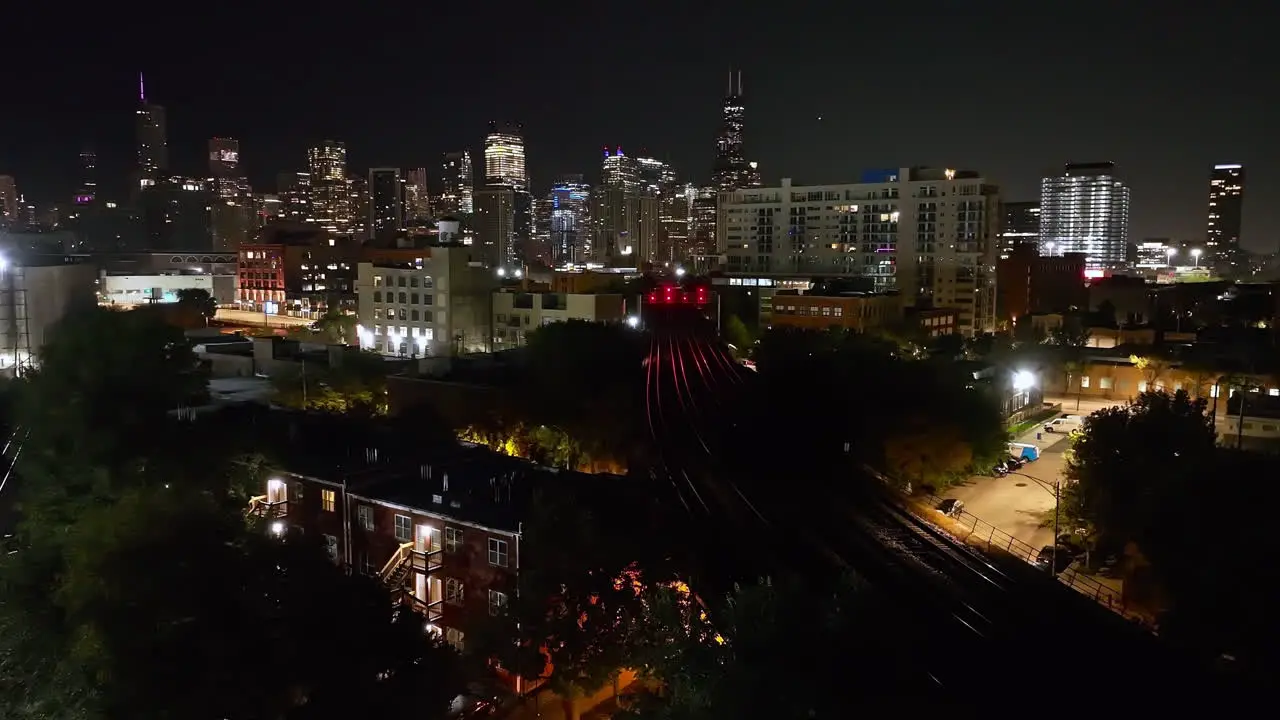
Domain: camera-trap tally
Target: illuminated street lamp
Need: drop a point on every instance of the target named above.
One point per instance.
(1171, 252)
(1196, 253)
(1024, 380)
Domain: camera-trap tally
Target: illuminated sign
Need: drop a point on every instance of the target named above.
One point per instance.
(84, 199)
(229, 157)
(1094, 273)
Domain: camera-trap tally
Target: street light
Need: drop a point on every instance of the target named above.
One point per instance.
(1170, 252)
(1023, 380)
(1049, 248)
(1196, 253)
(1057, 503)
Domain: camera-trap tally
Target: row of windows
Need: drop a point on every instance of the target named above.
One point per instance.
(413, 281)
(454, 594)
(404, 298)
(498, 549)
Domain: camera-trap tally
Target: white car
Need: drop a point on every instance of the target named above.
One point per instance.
(1062, 424)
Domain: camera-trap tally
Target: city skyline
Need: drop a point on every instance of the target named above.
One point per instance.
(797, 125)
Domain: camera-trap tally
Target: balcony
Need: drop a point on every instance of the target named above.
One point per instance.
(407, 575)
(263, 507)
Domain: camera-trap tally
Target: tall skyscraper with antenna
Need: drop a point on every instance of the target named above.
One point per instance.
(153, 143)
(732, 170)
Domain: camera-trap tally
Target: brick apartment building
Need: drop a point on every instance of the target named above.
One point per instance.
(444, 533)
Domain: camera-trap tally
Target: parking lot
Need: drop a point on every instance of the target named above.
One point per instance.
(1016, 502)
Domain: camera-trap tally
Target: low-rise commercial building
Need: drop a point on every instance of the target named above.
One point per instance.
(36, 291)
(515, 313)
(130, 290)
(854, 311)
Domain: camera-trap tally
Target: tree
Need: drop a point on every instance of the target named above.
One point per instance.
(275, 622)
(737, 335)
(356, 384)
(1125, 456)
(578, 600)
(1152, 367)
(336, 327)
(731, 657)
(199, 300)
(929, 454)
(1071, 335)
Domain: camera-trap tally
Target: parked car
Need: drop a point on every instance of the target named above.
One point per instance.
(1060, 556)
(951, 507)
(1062, 424)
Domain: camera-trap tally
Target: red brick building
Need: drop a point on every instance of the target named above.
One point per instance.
(260, 276)
(444, 535)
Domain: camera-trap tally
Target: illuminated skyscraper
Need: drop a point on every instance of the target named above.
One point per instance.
(330, 195)
(294, 191)
(1085, 210)
(625, 214)
(88, 190)
(386, 202)
(1226, 203)
(153, 144)
(1020, 224)
(504, 157)
(457, 194)
(231, 212)
(732, 170)
(417, 199)
(570, 221)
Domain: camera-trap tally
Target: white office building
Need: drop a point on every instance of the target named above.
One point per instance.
(929, 234)
(435, 304)
(1085, 210)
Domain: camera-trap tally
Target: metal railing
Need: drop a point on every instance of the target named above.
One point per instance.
(398, 558)
(259, 506)
(994, 538)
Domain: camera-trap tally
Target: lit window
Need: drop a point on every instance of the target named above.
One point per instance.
(404, 528)
(1084, 381)
(454, 638)
(498, 553)
(327, 500)
(366, 517)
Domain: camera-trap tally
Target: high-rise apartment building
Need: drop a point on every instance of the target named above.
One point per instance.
(570, 239)
(504, 156)
(1226, 205)
(625, 214)
(417, 199)
(88, 190)
(152, 139)
(504, 166)
(330, 194)
(386, 202)
(702, 227)
(675, 215)
(294, 191)
(358, 199)
(1019, 225)
(1085, 210)
(8, 200)
(457, 195)
(732, 169)
(495, 225)
(929, 234)
(231, 211)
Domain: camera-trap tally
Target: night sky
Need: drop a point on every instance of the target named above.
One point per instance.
(1163, 91)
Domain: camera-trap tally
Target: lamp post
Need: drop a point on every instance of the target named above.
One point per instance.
(1196, 253)
(1057, 504)
(1170, 252)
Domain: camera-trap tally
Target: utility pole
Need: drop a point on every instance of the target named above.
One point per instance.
(304, 383)
(1057, 498)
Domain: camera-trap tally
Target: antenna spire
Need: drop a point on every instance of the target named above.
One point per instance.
(739, 82)
(142, 89)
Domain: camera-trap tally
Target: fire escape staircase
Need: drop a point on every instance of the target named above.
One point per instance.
(395, 577)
